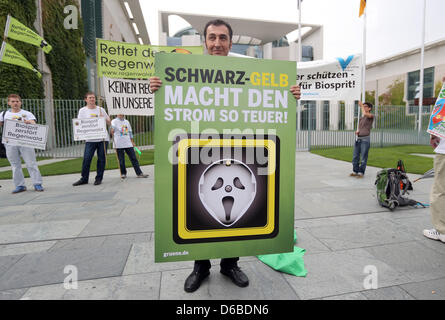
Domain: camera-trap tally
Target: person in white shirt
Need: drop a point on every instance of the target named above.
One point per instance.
(13, 153)
(437, 196)
(123, 143)
(91, 110)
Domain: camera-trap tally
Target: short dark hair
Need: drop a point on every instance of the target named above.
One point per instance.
(13, 95)
(369, 104)
(218, 22)
(89, 93)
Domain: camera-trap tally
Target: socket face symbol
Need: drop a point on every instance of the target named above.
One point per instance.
(227, 188)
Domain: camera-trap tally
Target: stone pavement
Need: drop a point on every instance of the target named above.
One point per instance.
(106, 232)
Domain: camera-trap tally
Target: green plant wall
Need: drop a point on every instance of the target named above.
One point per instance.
(15, 79)
(67, 59)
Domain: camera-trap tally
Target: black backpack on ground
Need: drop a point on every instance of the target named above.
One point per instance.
(392, 184)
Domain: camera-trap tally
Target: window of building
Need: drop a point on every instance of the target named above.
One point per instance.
(325, 115)
(307, 53)
(308, 115)
(92, 23)
(414, 84)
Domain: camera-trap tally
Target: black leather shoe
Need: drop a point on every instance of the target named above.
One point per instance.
(237, 276)
(80, 182)
(97, 182)
(193, 281)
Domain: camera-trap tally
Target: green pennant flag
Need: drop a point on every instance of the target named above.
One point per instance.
(18, 31)
(8, 54)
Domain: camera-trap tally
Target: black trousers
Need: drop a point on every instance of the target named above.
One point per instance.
(204, 265)
(134, 161)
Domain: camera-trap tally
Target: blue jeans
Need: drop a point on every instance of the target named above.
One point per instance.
(361, 147)
(134, 161)
(90, 148)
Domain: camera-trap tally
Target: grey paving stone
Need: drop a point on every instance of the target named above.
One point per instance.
(357, 235)
(435, 245)
(75, 197)
(48, 268)
(390, 293)
(314, 222)
(9, 199)
(127, 238)
(24, 248)
(139, 210)
(347, 296)
(121, 217)
(336, 273)
(78, 243)
(264, 284)
(322, 203)
(12, 294)
(132, 287)
(24, 213)
(79, 211)
(141, 260)
(308, 242)
(118, 225)
(415, 225)
(413, 259)
(6, 262)
(14, 233)
(427, 290)
(377, 216)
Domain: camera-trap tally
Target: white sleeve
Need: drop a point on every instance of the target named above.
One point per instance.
(105, 113)
(30, 116)
(80, 114)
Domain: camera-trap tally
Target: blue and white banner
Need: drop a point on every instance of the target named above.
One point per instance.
(336, 79)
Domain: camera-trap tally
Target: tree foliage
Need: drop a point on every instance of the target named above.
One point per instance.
(394, 95)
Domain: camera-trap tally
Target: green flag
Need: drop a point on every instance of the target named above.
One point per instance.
(18, 31)
(8, 54)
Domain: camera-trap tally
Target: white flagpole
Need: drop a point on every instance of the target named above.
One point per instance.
(363, 68)
(299, 59)
(422, 54)
(299, 31)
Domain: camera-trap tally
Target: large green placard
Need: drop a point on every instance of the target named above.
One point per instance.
(225, 157)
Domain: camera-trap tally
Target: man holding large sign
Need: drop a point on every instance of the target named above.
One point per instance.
(225, 173)
(91, 110)
(13, 152)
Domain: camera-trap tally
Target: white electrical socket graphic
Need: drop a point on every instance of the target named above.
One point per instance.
(227, 189)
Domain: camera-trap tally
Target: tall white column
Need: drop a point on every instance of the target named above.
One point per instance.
(267, 51)
(319, 115)
(349, 115)
(333, 114)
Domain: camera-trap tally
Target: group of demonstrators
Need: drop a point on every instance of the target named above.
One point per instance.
(120, 130)
(15, 153)
(218, 42)
(123, 142)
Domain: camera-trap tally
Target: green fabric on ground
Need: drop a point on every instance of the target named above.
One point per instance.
(288, 262)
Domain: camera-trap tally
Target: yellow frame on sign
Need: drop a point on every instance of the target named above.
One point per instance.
(185, 144)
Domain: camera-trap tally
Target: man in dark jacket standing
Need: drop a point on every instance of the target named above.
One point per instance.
(363, 140)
